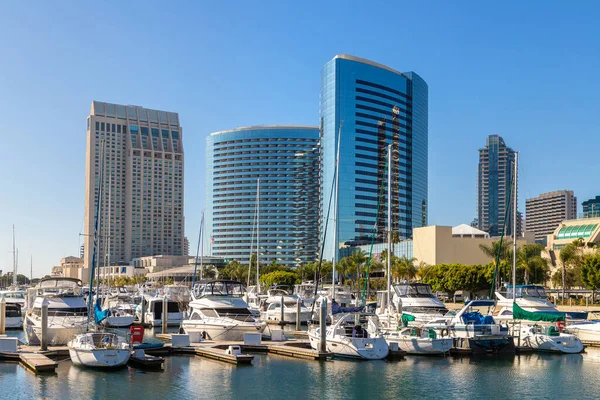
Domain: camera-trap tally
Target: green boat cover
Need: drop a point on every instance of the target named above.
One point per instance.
(519, 313)
(407, 318)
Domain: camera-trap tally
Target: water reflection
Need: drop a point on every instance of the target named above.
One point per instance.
(526, 376)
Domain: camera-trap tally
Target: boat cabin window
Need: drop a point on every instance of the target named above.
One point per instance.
(172, 307)
(209, 313)
(63, 312)
(13, 310)
(13, 295)
(413, 290)
(527, 291)
(223, 288)
(240, 314)
(274, 306)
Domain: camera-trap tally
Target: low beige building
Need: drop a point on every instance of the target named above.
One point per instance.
(71, 267)
(446, 245)
(159, 262)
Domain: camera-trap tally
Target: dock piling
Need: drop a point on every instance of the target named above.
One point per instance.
(298, 309)
(323, 326)
(44, 338)
(3, 316)
(282, 316)
(143, 317)
(165, 314)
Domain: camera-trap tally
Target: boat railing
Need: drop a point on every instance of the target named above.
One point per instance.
(233, 317)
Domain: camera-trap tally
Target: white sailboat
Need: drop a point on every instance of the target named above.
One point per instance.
(98, 349)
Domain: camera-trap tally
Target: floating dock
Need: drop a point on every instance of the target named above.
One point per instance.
(38, 362)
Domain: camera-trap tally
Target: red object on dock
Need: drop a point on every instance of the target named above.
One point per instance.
(137, 333)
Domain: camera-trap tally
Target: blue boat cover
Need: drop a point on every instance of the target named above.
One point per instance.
(336, 308)
(476, 318)
(99, 314)
(148, 346)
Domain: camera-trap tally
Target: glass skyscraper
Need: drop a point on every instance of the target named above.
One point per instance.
(372, 106)
(283, 162)
(494, 183)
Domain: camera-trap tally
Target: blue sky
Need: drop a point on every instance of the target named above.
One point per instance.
(525, 70)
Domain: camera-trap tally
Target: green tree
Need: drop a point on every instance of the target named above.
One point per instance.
(404, 268)
(590, 273)
(492, 250)
(287, 278)
(571, 258)
(535, 268)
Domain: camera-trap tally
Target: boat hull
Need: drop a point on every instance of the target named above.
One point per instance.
(288, 317)
(100, 358)
(567, 344)
(119, 322)
(422, 346)
(486, 344)
(587, 332)
(13, 322)
(222, 332)
(58, 335)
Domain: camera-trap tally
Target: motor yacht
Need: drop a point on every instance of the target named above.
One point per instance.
(416, 299)
(220, 312)
(272, 307)
(15, 303)
(67, 311)
(154, 308)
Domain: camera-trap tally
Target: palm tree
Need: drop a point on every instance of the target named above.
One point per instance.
(404, 268)
(529, 258)
(492, 250)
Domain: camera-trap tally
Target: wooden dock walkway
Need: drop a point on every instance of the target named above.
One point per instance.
(38, 362)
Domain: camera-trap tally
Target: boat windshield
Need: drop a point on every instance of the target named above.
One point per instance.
(223, 288)
(413, 290)
(527, 291)
(12, 295)
(277, 292)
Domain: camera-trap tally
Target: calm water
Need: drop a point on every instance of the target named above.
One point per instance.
(274, 377)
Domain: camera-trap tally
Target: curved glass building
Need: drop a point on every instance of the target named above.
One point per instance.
(279, 162)
(372, 106)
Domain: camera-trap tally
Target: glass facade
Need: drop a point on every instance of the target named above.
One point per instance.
(284, 162)
(495, 177)
(591, 208)
(373, 106)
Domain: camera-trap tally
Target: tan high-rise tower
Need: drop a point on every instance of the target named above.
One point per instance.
(142, 187)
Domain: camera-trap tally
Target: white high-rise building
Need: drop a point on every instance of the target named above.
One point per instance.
(142, 185)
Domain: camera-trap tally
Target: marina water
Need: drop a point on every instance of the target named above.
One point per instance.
(274, 377)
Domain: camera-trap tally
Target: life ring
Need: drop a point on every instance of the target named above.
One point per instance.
(444, 332)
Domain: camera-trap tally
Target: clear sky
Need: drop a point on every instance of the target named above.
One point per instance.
(525, 70)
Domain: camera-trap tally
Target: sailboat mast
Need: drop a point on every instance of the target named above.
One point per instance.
(257, 231)
(202, 245)
(335, 213)
(14, 259)
(15, 283)
(30, 269)
(200, 238)
(514, 271)
(389, 226)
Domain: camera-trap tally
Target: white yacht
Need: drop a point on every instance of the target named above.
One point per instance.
(272, 307)
(306, 292)
(532, 298)
(255, 300)
(15, 303)
(345, 338)
(588, 331)
(416, 299)
(99, 350)
(121, 313)
(67, 311)
(154, 309)
(220, 313)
